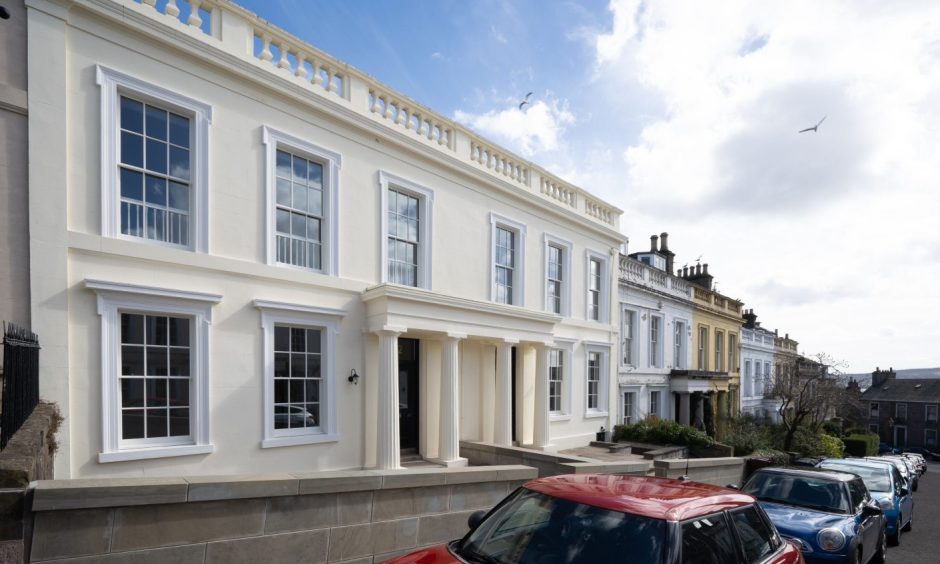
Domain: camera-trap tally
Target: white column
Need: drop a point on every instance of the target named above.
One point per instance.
(388, 453)
(449, 449)
(502, 432)
(540, 435)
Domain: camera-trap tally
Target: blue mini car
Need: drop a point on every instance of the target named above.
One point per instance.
(886, 486)
(829, 514)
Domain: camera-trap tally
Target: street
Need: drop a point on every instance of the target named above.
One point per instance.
(922, 544)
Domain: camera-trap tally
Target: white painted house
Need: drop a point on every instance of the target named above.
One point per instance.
(247, 256)
(655, 330)
(757, 362)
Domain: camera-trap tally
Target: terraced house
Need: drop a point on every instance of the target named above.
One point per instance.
(655, 328)
(249, 256)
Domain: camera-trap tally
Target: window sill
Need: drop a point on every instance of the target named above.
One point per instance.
(297, 440)
(559, 417)
(595, 414)
(154, 452)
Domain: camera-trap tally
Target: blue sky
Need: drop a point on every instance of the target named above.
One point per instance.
(684, 114)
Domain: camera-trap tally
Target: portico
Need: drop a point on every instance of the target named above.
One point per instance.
(467, 374)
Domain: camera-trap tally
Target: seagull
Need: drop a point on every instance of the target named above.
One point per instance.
(525, 101)
(814, 128)
(699, 259)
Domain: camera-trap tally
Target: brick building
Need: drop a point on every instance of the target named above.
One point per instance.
(903, 412)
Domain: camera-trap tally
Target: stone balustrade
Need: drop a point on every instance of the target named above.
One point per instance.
(227, 27)
(635, 272)
(354, 516)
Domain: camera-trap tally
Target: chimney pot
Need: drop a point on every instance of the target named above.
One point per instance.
(705, 268)
(698, 269)
(654, 244)
(664, 238)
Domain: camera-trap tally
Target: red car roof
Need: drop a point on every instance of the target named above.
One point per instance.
(657, 498)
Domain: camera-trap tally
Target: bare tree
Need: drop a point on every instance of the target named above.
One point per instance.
(809, 390)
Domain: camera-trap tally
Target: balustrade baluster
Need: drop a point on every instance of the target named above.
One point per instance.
(301, 69)
(194, 19)
(171, 9)
(283, 62)
(265, 54)
(316, 79)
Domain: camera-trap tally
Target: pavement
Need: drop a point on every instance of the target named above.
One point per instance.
(922, 544)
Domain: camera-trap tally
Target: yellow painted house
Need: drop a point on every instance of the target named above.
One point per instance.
(715, 374)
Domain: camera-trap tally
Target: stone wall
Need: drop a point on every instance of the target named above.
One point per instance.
(28, 456)
(547, 463)
(718, 471)
(357, 516)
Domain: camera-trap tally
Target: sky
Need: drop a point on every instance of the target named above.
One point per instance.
(685, 115)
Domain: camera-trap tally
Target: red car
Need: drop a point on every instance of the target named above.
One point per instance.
(597, 518)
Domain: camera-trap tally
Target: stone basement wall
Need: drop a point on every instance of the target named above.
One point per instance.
(547, 463)
(717, 471)
(28, 456)
(357, 516)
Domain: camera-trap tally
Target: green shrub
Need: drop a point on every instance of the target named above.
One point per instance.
(746, 435)
(778, 457)
(861, 444)
(661, 432)
(833, 428)
(709, 415)
(833, 446)
(807, 443)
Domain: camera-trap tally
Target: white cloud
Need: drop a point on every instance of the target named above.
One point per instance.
(829, 234)
(537, 128)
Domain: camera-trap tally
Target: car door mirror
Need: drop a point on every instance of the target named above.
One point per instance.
(475, 518)
(871, 510)
(733, 486)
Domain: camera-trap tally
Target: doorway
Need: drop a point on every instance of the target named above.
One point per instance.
(900, 436)
(408, 395)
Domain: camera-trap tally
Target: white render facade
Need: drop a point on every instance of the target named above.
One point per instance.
(247, 256)
(655, 338)
(757, 369)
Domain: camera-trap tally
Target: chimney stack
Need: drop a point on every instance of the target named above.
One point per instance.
(664, 250)
(705, 269)
(654, 244)
(698, 269)
(879, 377)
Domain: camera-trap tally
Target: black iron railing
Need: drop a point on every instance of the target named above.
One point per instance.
(20, 379)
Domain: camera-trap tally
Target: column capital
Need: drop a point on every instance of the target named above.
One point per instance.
(390, 330)
(454, 336)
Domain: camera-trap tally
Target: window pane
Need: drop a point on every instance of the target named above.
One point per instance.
(298, 225)
(156, 330)
(281, 338)
(281, 387)
(283, 164)
(156, 191)
(156, 156)
(132, 392)
(756, 537)
(313, 391)
(296, 389)
(313, 228)
(298, 340)
(315, 202)
(132, 360)
(300, 169)
(298, 365)
(179, 422)
(313, 340)
(156, 423)
(132, 149)
(179, 362)
(707, 541)
(156, 123)
(132, 328)
(132, 115)
(132, 424)
(313, 366)
(155, 392)
(315, 174)
(283, 221)
(300, 197)
(178, 392)
(281, 416)
(179, 130)
(156, 361)
(179, 162)
(281, 365)
(283, 192)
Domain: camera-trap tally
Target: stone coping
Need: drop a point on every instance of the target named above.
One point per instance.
(680, 463)
(529, 453)
(52, 495)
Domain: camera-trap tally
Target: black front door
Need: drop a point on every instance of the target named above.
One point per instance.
(408, 393)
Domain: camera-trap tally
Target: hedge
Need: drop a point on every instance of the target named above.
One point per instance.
(861, 444)
(662, 432)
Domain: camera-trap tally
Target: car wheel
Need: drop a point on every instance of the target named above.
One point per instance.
(895, 539)
(881, 556)
(910, 524)
(858, 557)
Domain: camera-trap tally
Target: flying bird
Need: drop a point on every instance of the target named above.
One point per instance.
(814, 128)
(525, 101)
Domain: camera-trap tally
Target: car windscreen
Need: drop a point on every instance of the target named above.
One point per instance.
(533, 527)
(876, 479)
(804, 491)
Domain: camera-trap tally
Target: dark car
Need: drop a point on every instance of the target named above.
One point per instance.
(830, 514)
(590, 518)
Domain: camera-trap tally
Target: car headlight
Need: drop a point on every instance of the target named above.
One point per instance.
(886, 503)
(830, 540)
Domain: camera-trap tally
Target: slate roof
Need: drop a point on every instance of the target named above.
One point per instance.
(922, 390)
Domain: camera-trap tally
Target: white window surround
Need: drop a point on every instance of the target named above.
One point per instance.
(635, 390)
(113, 84)
(603, 308)
(566, 252)
(683, 342)
(655, 348)
(518, 282)
(312, 317)
(114, 298)
(633, 316)
(331, 162)
(664, 397)
(425, 225)
(604, 385)
(567, 348)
